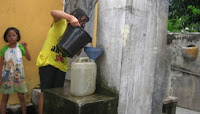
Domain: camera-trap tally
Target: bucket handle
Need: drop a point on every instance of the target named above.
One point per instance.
(83, 59)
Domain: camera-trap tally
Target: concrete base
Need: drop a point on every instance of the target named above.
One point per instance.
(35, 98)
(16, 109)
(180, 110)
(169, 105)
(59, 101)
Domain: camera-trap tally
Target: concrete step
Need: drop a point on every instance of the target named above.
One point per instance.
(35, 98)
(169, 105)
(16, 109)
(59, 101)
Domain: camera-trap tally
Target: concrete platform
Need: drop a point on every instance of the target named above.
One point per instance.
(169, 105)
(16, 109)
(180, 110)
(59, 101)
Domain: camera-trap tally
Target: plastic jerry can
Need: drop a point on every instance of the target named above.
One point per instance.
(83, 77)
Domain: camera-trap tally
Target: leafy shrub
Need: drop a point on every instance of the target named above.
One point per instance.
(184, 15)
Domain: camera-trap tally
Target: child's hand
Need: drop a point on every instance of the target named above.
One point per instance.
(24, 44)
(27, 55)
(74, 21)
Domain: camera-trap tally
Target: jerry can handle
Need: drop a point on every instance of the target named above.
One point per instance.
(83, 59)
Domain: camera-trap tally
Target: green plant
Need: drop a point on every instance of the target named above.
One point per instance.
(184, 15)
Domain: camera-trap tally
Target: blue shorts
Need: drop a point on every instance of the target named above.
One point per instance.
(51, 77)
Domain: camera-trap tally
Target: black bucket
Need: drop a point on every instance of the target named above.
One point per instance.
(73, 40)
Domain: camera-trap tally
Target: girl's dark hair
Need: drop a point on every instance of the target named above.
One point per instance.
(78, 13)
(14, 29)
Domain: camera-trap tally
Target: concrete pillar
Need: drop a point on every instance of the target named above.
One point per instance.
(133, 35)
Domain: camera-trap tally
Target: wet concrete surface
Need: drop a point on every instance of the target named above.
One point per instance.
(180, 110)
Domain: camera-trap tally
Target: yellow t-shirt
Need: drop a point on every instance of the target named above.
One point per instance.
(50, 55)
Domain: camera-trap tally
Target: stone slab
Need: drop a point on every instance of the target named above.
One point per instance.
(16, 109)
(35, 98)
(169, 105)
(58, 101)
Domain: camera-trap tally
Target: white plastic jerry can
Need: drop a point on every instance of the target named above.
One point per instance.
(83, 77)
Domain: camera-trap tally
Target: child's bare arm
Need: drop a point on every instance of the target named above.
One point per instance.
(57, 15)
(27, 55)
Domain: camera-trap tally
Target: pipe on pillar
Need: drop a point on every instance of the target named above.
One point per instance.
(94, 41)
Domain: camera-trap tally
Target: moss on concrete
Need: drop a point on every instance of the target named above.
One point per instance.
(102, 88)
(57, 101)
